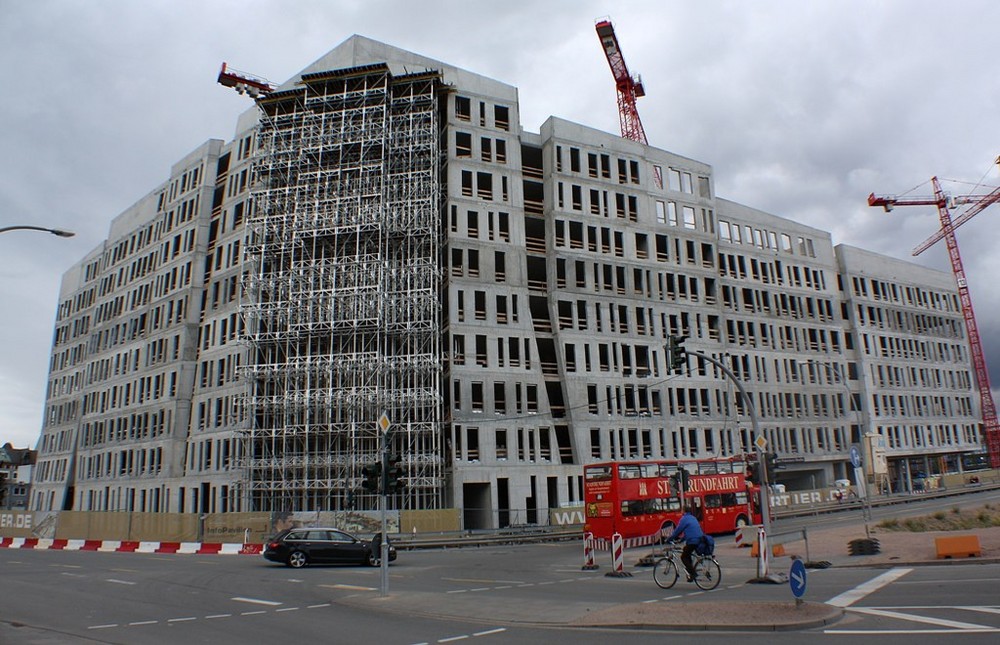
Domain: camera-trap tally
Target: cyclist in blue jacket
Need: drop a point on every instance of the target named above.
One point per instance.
(691, 530)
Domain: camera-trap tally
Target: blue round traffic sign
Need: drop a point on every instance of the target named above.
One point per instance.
(797, 578)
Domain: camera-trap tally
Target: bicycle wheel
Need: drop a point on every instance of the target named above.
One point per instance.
(707, 574)
(665, 573)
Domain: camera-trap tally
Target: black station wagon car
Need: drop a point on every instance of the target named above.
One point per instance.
(299, 547)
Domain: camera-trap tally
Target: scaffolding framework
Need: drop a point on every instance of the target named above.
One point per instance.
(343, 296)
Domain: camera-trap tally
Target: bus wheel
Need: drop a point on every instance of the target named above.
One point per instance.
(741, 521)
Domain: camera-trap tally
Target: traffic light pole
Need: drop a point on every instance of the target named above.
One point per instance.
(383, 504)
(765, 496)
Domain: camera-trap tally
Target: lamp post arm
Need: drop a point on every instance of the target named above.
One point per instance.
(54, 231)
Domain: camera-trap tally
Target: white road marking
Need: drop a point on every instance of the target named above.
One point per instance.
(252, 613)
(287, 609)
(256, 601)
(181, 620)
(144, 622)
(855, 632)
(103, 626)
(349, 587)
(218, 616)
(985, 610)
(119, 582)
(852, 596)
(453, 639)
(326, 604)
(490, 632)
(916, 619)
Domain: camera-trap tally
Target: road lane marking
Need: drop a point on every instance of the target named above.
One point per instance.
(108, 626)
(119, 582)
(181, 620)
(256, 601)
(348, 587)
(286, 609)
(852, 596)
(252, 613)
(941, 622)
(325, 604)
(490, 632)
(453, 639)
(218, 616)
(143, 622)
(858, 632)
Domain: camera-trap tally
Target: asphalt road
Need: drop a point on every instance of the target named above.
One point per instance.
(524, 594)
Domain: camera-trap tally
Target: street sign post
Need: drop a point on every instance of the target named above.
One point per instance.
(797, 579)
(855, 457)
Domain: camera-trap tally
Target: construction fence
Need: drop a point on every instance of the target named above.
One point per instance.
(245, 528)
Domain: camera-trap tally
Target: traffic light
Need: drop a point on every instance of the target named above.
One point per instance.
(772, 465)
(676, 354)
(372, 474)
(753, 474)
(683, 479)
(393, 475)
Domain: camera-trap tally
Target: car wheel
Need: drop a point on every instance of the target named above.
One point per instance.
(298, 559)
(374, 560)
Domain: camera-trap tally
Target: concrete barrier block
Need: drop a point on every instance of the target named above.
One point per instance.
(958, 546)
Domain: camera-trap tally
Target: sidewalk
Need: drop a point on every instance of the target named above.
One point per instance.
(826, 546)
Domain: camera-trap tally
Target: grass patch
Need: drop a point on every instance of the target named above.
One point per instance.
(960, 519)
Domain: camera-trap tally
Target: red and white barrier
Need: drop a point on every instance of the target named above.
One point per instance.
(588, 552)
(129, 546)
(617, 553)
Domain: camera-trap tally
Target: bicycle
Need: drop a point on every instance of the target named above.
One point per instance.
(666, 570)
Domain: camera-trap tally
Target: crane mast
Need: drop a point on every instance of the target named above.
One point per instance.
(629, 87)
(947, 232)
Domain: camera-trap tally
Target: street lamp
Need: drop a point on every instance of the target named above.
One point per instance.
(866, 510)
(54, 231)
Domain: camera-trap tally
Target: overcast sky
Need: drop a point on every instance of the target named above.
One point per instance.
(802, 108)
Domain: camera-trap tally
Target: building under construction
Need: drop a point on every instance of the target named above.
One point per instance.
(382, 247)
(343, 314)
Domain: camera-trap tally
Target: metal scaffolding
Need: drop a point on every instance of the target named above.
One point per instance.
(343, 306)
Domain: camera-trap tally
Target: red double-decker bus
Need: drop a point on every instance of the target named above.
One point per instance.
(642, 500)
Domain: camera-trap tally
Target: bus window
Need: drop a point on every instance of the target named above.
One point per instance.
(713, 501)
(628, 471)
(725, 467)
(707, 468)
(666, 470)
(649, 471)
(727, 499)
(597, 473)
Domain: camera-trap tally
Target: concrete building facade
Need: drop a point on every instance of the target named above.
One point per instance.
(381, 239)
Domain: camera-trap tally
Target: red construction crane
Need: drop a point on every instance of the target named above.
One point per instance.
(947, 232)
(244, 83)
(629, 87)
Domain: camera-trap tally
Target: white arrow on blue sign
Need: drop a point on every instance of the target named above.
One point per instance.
(797, 578)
